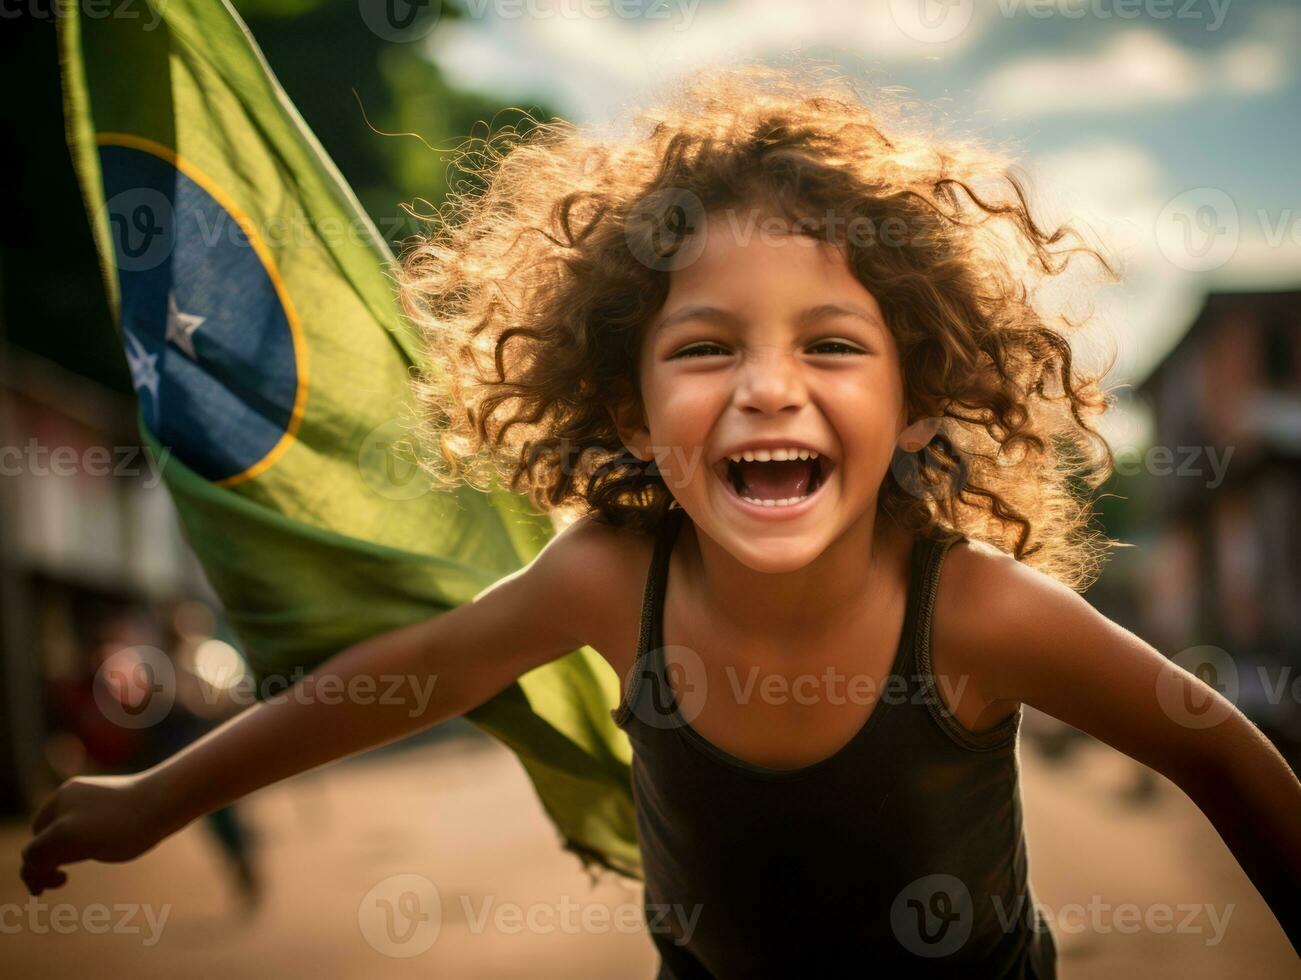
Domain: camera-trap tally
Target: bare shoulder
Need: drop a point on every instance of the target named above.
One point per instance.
(992, 597)
(987, 603)
(596, 573)
(995, 614)
(1025, 637)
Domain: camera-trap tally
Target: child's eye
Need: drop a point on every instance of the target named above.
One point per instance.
(704, 350)
(846, 348)
(696, 350)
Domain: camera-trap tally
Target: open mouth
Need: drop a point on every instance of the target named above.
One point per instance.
(776, 483)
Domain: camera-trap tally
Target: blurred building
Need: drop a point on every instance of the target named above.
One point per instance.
(90, 548)
(1225, 474)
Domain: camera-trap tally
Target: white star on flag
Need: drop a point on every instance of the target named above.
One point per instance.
(143, 372)
(181, 327)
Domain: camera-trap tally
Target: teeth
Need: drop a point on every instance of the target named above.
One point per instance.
(784, 502)
(768, 455)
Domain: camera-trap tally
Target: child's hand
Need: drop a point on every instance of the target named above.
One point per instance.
(105, 818)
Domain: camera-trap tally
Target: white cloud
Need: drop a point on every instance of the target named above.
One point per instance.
(1173, 245)
(591, 65)
(1115, 187)
(1110, 191)
(1114, 190)
(1140, 67)
(1252, 67)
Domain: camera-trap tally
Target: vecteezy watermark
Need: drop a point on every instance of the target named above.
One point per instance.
(149, 13)
(1161, 460)
(387, 464)
(39, 460)
(674, 677)
(65, 918)
(401, 916)
(933, 916)
(404, 21)
(1200, 229)
(146, 227)
(833, 686)
(304, 687)
(680, 12)
(400, 21)
(1100, 917)
(668, 229)
(388, 471)
(136, 687)
(1192, 706)
(1198, 706)
(1211, 12)
(943, 21)
(932, 21)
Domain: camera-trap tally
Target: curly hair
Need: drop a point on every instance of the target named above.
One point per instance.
(531, 292)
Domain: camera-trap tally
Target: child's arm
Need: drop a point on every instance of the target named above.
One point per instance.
(1027, 637)
(404, 681)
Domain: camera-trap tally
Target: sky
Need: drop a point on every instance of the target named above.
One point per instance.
(1170, 127)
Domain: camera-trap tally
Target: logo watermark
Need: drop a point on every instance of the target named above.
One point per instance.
(149, 12)
(1197, 706)
(136, 687)
(944, 21)
(1201, 229)
(1180, 461)
(669, 229)
(1101, 917)
(400, 21)
(36, 459)
(674, 675)
(64, 918)
(146, 226)
(387, 464)
(402, 916)
(934, 915)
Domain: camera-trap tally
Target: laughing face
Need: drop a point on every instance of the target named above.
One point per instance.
(772, 394)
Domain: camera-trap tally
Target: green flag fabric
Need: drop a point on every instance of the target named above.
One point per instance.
(272, 371)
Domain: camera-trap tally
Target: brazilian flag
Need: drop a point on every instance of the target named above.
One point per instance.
(252, 298)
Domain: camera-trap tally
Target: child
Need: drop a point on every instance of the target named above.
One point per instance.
(785, 356)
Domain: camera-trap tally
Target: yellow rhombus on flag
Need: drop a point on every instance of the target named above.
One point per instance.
(264, 342)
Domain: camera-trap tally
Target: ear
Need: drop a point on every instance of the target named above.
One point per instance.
(918, 434)
(631, 425)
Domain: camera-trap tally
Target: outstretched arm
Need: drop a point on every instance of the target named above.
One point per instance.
(376, 691)
(1029, 638)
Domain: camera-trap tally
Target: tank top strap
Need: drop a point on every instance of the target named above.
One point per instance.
(652, 596)
(921, 666)
(923, 579)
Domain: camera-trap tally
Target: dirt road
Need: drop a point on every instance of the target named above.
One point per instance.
(355, 854)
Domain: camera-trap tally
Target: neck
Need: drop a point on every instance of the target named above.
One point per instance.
(790, 609)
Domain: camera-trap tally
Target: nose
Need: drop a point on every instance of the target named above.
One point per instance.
(771, 381)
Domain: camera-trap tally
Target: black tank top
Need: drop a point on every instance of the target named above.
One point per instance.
(901, 854)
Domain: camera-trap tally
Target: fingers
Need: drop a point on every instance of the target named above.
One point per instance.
(37, 881)
(39, 869)
(43, 854)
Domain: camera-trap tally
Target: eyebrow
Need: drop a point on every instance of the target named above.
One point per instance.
(698, 311)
